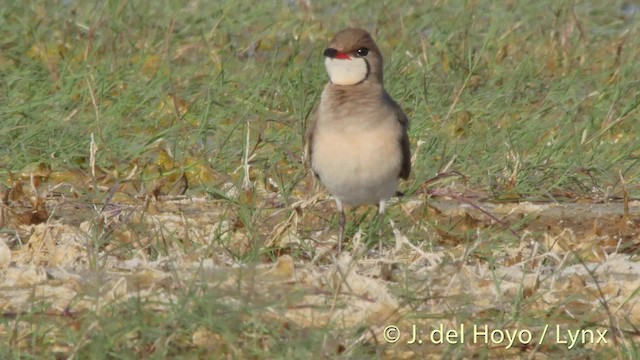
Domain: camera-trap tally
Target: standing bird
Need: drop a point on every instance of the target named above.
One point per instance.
(357, 143)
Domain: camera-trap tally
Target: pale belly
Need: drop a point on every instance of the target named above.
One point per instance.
(360, 169)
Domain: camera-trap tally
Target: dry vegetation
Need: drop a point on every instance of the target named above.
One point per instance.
(155, 202)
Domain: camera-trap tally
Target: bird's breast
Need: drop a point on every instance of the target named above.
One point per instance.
(357, 159)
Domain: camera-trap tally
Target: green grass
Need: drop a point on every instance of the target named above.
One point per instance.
(502, 89)
(535, 101)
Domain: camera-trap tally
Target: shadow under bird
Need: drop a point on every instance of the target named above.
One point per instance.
(357, 141)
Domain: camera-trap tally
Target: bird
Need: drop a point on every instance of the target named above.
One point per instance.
(357, 142)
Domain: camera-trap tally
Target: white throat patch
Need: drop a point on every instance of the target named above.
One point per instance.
(346, 72)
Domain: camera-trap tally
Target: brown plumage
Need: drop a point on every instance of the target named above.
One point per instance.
(357, 142)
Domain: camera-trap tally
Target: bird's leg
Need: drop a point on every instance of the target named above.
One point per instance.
(382, 206)
(380, 217)
(341, 221)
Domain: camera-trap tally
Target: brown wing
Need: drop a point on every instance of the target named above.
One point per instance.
(402, 118)
(405, 170)
(308, 137)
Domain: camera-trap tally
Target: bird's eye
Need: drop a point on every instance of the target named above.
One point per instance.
(363, 51)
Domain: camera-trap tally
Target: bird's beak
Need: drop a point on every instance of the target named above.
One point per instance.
(335, 54)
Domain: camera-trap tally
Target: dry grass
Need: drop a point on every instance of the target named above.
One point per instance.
(155, 203)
